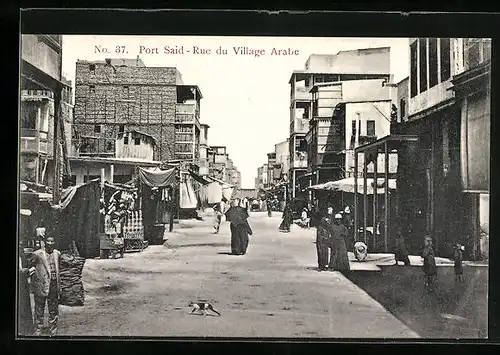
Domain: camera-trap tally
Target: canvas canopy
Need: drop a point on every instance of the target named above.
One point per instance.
(156, 177)
(347, 185)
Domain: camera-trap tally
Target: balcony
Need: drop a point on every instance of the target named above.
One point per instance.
(36, 95)
(301, 125)
(302, 93)
(33, 141)
(300, 160)
(189, 109)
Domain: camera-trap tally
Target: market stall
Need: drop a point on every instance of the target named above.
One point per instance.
(158, 195)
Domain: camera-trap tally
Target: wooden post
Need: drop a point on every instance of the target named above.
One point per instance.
(365, 195)
(103, 177)
(386, 193)
(375, 197)
(55, 152)
(356, 210)
(111, 173)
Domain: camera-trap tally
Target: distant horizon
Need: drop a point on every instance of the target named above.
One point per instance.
(246, 98)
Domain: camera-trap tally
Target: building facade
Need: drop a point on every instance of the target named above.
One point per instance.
(371, 63)
(282, 165)
(437, 203)
(46, 100)
(115, 96)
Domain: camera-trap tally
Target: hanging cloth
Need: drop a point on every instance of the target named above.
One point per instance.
(157, 177)
(188, 196)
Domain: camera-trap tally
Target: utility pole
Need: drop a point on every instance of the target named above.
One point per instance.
(55, 148)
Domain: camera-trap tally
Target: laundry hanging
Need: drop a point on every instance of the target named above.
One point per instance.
(188, 195)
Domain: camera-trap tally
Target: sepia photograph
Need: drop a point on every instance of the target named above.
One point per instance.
(253, 187)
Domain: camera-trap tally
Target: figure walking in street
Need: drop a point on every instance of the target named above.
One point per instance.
(25, 314)
(287, 219)
(240, 229)
(269, 207)
(339, 259)
(305, 220)
(322, 243)
(430, 270)
(458, 262)
(218, 209)
(46, 285)
(401, 253)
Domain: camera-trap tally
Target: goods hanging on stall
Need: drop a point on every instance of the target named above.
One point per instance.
(123, 218)
(157, 201)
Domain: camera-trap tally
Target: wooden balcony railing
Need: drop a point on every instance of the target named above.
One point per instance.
(33, 141)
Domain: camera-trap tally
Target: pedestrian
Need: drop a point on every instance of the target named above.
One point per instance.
(25, 320)
(269, 207)
(46, 285)
(240, 229)
(287, 219)
(322, 243)
(218, 216)
(401, 253)
(430, 270)
(339, 259)
(304, 218)
(457, 261)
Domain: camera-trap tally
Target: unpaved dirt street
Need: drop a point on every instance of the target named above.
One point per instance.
(273, 291)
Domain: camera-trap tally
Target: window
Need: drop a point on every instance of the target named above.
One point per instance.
(473, 56)
(126, 89)
(413, 69)
(370, 128)
(97, 128)
(109, 146)
(92, 89)
(402, 108)
(29, 115)
(433, 62)
(125, 140)
(137, 140)
(422, 61)
(445, 59)
(121, 128)
(92, 68)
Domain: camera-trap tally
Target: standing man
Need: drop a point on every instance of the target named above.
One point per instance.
(46, 285)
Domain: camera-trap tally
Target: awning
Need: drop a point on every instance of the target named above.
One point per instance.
(199, 178)
(156, 177)
(347, 185)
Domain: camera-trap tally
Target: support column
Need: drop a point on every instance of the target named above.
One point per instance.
(293, 182)
(356, 209)
(111, 173)
(375, 197)
(386, 193)
(365, 196)
(103, 177)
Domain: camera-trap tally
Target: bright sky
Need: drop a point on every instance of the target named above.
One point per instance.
(246, 99)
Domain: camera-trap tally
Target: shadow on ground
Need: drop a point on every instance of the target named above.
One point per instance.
(449, 310)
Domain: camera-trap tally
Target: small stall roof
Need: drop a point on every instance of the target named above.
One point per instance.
(392, 142)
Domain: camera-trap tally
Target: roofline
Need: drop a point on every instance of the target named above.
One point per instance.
(295, 72)
(116, 161)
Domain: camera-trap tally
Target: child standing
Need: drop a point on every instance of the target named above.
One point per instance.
(458, 257)
(429, 261)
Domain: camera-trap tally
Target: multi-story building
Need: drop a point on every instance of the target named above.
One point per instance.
(271, 168)
(116, 96)
(473, 97)
(439, 202)
(282, 165)
(371, 63)
(46, 101)
(217, 162)
(204, 150)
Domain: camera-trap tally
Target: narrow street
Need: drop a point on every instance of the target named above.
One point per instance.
(273, 291)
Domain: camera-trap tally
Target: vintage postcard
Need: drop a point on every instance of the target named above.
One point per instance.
(255, 187)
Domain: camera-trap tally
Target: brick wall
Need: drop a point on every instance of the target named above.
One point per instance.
(141, 98)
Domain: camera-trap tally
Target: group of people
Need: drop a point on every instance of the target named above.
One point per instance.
(331, 236)
(39, 274)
